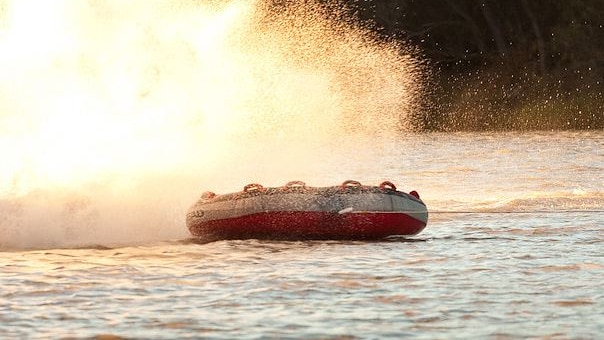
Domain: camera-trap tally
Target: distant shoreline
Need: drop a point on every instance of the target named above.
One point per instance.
(491, 101)
(501, 65)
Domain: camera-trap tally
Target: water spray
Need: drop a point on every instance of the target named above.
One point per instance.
(114, 116)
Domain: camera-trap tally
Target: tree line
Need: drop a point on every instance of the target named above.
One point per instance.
(500, 64)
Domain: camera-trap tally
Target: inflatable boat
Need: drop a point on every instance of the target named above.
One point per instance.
(350, 211)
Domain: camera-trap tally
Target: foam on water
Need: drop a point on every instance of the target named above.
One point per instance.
(114, 116)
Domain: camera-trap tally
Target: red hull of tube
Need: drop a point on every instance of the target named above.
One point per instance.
(305, 225)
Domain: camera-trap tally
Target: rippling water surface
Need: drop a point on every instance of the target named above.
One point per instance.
(513, 249)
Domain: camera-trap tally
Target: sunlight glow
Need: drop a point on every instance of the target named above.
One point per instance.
(144, 99)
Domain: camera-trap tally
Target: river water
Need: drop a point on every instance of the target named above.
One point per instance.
(513, 249)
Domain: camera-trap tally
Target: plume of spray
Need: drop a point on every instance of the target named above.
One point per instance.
(114, 116)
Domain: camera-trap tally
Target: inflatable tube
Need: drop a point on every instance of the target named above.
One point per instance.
(350, 211)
